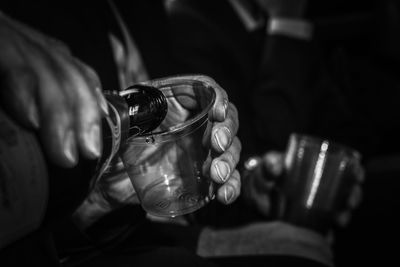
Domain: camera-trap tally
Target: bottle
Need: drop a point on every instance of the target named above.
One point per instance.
(137, 110)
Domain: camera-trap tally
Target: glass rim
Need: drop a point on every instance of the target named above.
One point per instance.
(332, 145)
(182, 129)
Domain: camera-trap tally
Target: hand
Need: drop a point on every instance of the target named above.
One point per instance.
(283, 8)
(44, 87)
(224, 145)
(259, 179)
(269, 169)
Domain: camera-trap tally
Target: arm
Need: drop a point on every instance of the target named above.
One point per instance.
(51, 96)
(47, 89)
(283, 94)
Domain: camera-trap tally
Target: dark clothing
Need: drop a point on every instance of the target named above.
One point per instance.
(278, 83)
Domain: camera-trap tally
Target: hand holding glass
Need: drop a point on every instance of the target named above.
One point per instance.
(319, 177)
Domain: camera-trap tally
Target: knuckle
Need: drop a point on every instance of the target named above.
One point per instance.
(233, 108)
(60, 46)
(230, 158)
(238, 145)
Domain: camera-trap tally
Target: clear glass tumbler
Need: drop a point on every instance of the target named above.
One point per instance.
(319, 177)
(168, 166)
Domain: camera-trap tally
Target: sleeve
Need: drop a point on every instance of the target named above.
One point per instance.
(283, 93)
(35, 249)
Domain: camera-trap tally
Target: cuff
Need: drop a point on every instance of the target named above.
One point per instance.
(295, 28)
(265, 239)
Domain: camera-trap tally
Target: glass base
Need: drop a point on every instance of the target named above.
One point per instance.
(173, 198)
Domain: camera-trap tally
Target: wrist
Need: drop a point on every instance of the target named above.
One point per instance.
(290, 27)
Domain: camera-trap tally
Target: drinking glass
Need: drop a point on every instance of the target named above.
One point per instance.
(319, 176)
(168, 166)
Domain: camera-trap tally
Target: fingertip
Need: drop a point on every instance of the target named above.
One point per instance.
(103, 104)
(33, 116)
(226, 194)
(69, 150)
(224, 111)
(61, 147)
(91, 142)
(220, 109)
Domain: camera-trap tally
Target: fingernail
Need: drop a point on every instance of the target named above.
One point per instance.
(222, 110)
(92, 141)
(223, 170)
(228, 194)
(222, 137)
(33, 115)
(69, 147)
(226, 103)
(102, 101)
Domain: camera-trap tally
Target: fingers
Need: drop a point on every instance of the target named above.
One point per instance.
(93, 81)
(229, 191)
(265, 176)
(223, 171)
(223, 132)
(223, 166)
(273, 162)
(220, 107)
(17, 81)
(257, 190)
(55, 120)
(85, 107)
(57, 125)
(50, 89)
(261, 179)
(53, 106)
(76, 83)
